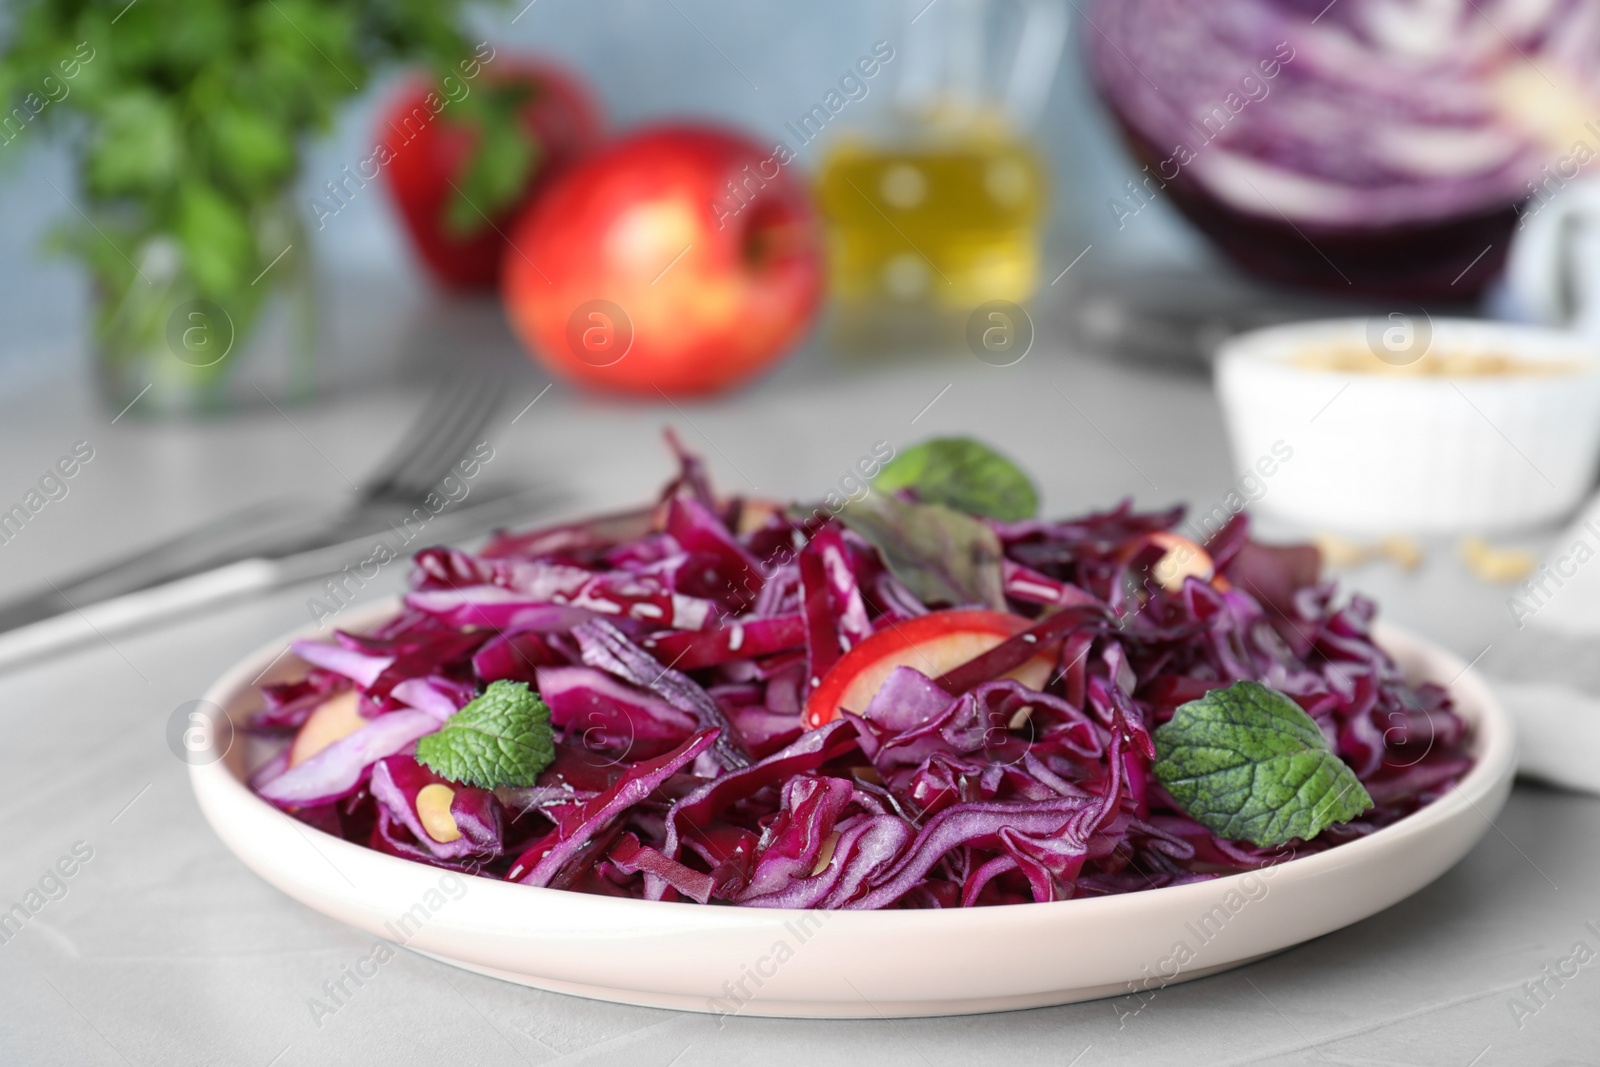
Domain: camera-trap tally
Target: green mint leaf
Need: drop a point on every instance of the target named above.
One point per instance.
(942, 555)
(964, 474)
(503, 738)
(1248, 764)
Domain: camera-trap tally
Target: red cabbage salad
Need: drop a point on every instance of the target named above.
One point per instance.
(922, 697)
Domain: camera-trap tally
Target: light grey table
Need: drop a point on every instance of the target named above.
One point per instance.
(166, 950)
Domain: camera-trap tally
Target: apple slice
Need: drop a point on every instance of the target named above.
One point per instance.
(335, 718)
(933, 644)
(1181, 558)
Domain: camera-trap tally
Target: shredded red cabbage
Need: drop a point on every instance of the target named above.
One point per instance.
(676, 647)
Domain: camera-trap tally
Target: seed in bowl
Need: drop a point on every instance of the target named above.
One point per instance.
(1459, 363)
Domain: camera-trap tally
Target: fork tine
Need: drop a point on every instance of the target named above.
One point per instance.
(480, 408)
(462, 408)
(420, 439)
(454, 433)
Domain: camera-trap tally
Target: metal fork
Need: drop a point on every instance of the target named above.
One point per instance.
(436, 440)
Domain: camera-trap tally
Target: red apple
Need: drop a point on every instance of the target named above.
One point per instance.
(682, 258)
(431, 153)
(933, 644)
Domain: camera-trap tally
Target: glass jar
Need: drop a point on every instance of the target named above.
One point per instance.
(163, 350)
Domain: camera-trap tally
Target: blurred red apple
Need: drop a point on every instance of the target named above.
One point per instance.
(681, 258)
(432, 154)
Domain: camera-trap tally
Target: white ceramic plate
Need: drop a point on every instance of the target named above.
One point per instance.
(848, 964)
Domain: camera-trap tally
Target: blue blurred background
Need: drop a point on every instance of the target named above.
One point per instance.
(645, 59)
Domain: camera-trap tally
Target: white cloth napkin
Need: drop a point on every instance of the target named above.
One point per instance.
(1547, 673)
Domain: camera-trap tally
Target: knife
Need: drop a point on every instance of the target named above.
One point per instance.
(55, 621)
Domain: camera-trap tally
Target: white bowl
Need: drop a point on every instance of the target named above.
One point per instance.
(1380, 453)
(852, 964)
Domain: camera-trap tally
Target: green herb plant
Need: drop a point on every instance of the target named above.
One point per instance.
(187, 120)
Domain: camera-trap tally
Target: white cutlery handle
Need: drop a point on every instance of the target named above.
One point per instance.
(106, 617)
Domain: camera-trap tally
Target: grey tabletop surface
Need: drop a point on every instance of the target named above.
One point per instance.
(162, 948)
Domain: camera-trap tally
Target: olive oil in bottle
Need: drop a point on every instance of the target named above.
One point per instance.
(951, 217)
